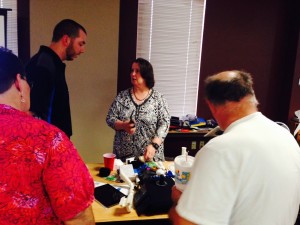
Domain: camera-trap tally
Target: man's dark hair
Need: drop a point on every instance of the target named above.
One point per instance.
(10, 66)
(146, 71)
(67, 27)
(218, 91)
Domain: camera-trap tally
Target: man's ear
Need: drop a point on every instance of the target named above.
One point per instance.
(66, 40)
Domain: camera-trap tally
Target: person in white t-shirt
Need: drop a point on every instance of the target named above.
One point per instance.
(249, 175)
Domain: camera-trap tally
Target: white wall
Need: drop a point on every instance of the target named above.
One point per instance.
(92, 78)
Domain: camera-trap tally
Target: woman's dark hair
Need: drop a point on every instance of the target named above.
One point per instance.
(10, 66)
(219, 91)
(146, 71)
(66, 27)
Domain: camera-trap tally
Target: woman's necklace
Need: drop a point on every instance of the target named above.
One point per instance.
(138, 98)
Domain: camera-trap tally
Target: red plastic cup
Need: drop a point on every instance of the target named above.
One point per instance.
(109, 160)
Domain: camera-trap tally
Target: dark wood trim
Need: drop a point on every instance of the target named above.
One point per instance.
(23, 16)
(127, 41)
(295, 93)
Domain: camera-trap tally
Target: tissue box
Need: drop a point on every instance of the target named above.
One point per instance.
(128, 171)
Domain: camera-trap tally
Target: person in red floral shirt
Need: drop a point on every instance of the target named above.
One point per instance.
(43, 180)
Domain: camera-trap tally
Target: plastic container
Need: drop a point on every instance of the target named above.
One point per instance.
(183, 166)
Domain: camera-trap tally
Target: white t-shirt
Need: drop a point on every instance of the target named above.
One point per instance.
(249, 175)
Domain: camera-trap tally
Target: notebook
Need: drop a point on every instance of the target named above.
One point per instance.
(107, 195)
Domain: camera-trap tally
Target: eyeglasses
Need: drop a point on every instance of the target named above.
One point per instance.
(28, 82)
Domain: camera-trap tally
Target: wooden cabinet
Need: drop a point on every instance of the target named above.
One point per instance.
(193, 141)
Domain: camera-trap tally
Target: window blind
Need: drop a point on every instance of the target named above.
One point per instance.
(170, 36)
(12, 27)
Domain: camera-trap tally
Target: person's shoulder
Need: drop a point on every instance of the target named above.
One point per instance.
(42, 128)
(124, 93)
(45, 55)
(45, 58)
(43, 51)
(157, 94)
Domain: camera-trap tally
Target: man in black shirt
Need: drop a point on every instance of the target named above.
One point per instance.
(46, 71)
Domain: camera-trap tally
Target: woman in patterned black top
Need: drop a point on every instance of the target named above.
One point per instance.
(140, 116)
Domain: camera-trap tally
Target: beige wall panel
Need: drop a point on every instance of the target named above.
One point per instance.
(92, 78)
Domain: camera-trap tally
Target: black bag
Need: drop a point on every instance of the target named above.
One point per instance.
(154, 196)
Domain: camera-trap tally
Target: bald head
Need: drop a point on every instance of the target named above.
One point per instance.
(229, 86)
(230, 96)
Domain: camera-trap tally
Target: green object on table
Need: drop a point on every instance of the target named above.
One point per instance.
(151, 164)
(111, 177)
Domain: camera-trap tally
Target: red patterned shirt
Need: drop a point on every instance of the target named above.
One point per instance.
(43, 180)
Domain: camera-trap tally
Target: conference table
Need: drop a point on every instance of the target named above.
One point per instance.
(116, 214)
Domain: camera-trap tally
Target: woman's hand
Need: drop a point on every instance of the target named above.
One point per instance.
(129, 126)
(149, 153)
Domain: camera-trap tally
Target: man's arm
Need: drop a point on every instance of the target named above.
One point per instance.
(173, 215)
(86, 217)
(176, 219)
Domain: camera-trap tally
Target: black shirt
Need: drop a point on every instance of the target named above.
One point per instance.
(49, 96)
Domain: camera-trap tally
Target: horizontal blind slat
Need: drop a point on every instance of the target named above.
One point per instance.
(170, 37)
